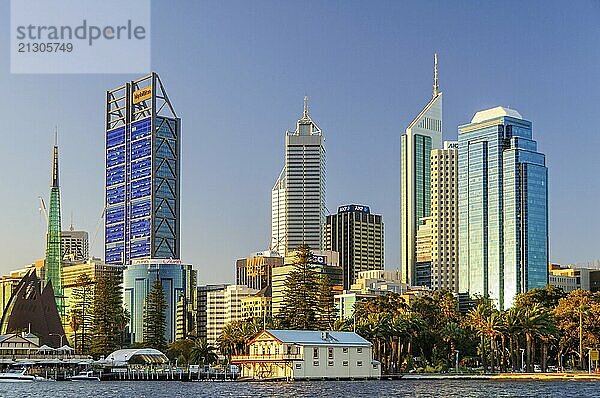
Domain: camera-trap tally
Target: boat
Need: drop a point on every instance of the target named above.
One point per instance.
(85, 375)
(19, 375)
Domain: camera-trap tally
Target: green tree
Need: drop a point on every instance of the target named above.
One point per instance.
(108, 315)
(154, 323)
(80, 312)
(202, 353)
(301, 307)
(181, 351)
(326, 304)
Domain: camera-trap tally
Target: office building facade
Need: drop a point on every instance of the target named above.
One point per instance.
(298, 196)
(422, 135)
(444, 217)
(179, 283)
(142, 173)
(503, 207)
(255, 271)
(74, 245)
(222, 307)
(202, 297)
(357, 235)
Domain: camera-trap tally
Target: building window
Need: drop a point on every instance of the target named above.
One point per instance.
(315, 363)
(345, 350)
(298, 366)
(315, 353)
(345, 363)
(359, 350)
(358, 363)
(330, 363)
(330, 353)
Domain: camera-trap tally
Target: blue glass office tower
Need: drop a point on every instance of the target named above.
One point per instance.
(503, 207)
(142, 173)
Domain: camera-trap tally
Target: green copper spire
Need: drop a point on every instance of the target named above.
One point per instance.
(53, 271)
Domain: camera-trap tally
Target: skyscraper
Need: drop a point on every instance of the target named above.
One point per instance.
(422, 135)
(298, 196)
(444, 215)
(503, 207)
(53, 271)
(74, 245)
(142, 173)
(357, 235)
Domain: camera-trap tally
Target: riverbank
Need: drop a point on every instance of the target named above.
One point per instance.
(504, 376)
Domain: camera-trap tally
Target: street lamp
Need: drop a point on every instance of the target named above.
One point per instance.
(522, 359)
(58, 334)
(457, 361)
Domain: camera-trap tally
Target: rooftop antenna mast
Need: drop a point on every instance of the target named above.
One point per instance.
(435, 76)
(305, 106)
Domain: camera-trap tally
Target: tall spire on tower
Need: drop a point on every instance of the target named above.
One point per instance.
(435, 76)
(53, 265)
(305, 115)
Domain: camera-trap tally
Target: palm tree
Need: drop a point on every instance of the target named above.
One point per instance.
(476, 319)
(203, 353)
(513, 324)
(536, 323)
(451, 334)
(493, 329)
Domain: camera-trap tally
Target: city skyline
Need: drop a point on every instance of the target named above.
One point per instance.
(222, 222)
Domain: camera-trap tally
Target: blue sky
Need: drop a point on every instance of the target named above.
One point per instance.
(237, 71)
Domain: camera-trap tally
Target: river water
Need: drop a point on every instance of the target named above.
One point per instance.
(337, 389)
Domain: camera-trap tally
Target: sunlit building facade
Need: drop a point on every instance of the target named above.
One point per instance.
(142, 173)
(503, 207)
(422, 135)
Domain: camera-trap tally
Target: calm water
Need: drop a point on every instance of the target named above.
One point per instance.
(408, 388)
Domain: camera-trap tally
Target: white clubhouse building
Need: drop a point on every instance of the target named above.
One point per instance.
(308, 354)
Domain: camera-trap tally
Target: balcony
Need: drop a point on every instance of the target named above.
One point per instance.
(266, 358)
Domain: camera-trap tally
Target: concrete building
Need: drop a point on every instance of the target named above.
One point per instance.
(298, 196)
(179, 283)
(423, 252)
(503, 207)
(444, 217)
(573, 277)
(142, 191)
(357, 235)
(74, 245)
(258, 305)
(369, 284)
(255, 271)
(308, 355)
(422, 135)
(326, 263)
(222, 307)
(202, 298)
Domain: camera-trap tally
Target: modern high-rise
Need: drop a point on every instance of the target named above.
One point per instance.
(503, 207)
(74, 245)
(255, 271)
(142, 173)
(444, 217)
(53, 265)
(298, 196)
(422, 135)
(222, 307)
(179, 282)
(357, 235)
(423, 245)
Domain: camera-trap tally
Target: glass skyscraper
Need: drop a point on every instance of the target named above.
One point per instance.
(422, 135)
(503, 207)
(142, 173)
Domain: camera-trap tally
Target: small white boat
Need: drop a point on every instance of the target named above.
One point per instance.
(19, 376)
(86, 375)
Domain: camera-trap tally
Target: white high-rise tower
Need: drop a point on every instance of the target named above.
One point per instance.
(422, 135)
(298, 196)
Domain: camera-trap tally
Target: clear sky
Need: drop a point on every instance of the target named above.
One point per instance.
(237, 71)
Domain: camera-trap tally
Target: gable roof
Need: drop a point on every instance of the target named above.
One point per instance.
(316, 337)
